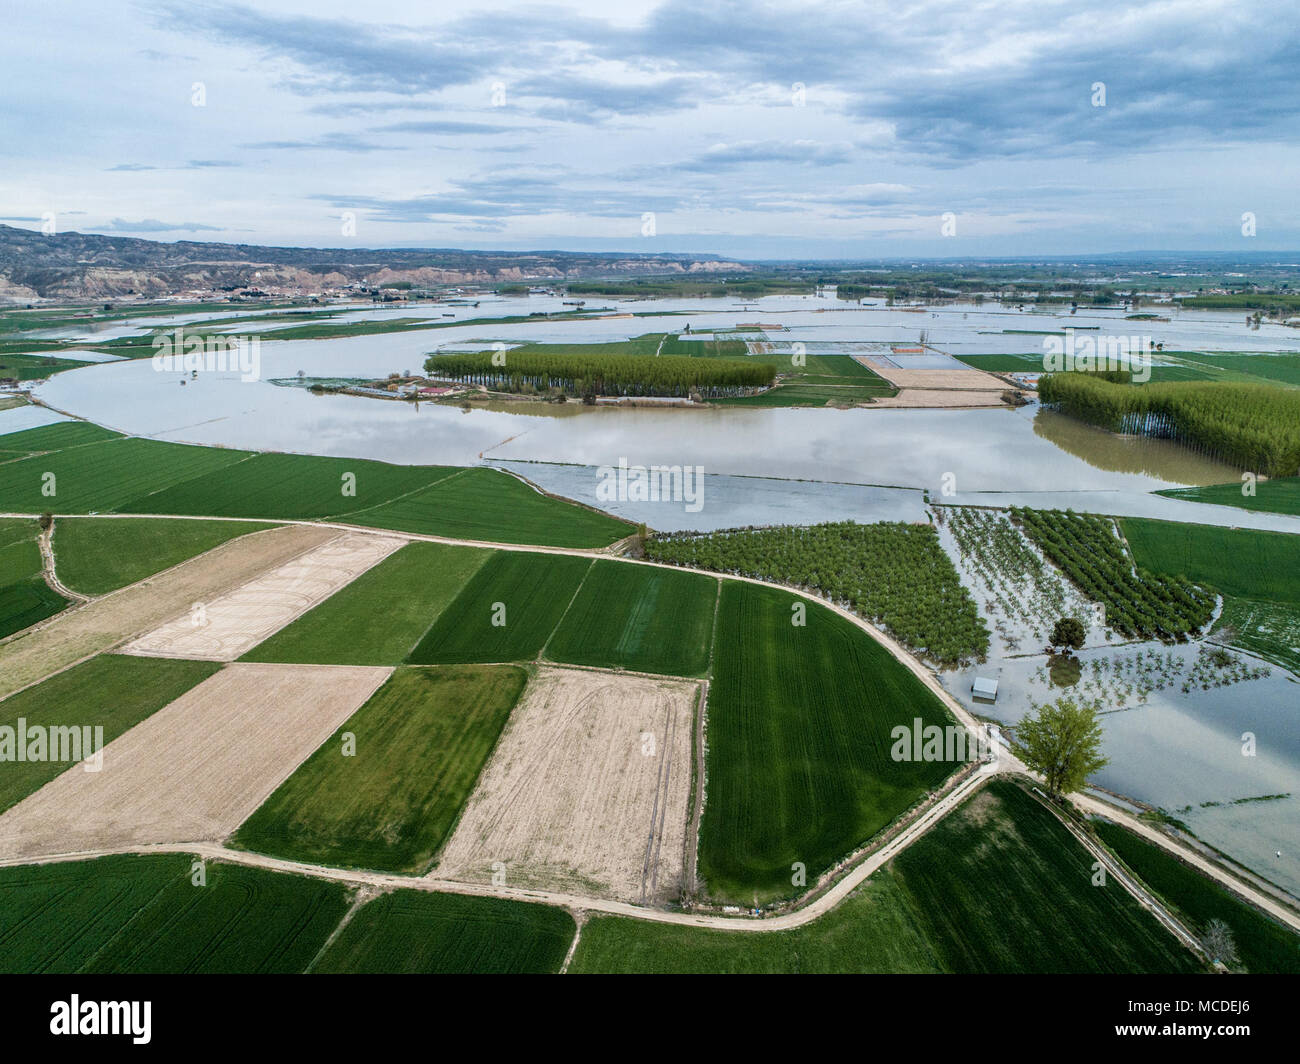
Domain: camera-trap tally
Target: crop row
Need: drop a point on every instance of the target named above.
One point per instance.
(1138, 603)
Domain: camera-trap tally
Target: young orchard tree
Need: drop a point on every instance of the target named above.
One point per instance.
(1062, 741)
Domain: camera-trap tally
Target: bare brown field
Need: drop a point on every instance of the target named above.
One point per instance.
(233, 624)
(77, 634)
(927, 398)
(196, 769)
(577, 798)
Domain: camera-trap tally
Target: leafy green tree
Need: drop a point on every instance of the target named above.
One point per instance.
(1069, 633)
(1062, 741)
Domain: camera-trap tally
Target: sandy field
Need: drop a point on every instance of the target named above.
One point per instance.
(101, 625)
(236, 622)
(925, 398)
(196, 769)
(571, 800)
(956, 379)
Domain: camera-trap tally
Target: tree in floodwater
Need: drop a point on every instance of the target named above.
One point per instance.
(1061, 740)
(1068, 633)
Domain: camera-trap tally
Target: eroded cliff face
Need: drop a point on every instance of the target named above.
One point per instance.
(83, 266)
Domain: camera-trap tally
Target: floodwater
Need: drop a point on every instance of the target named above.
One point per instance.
(1181, 749)
(1031, 457)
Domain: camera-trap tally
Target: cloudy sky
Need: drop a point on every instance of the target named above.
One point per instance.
(764, 130)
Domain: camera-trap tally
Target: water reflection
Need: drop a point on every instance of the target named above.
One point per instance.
(1161, 459)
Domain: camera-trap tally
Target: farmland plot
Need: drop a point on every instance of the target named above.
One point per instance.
(414, 932)
(506, 613)
(145, 914)
(25, 597)
(587, 790)
(96, 555)
(290, 485)
(196, 769)
(799, 746)
(493, 507)
(639, 618)
(104, 623)
(225, 628)
(419, 744)
(409, 590)
(113, 691)
(103, 476)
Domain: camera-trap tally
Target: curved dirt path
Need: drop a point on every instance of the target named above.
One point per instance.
(50, 572)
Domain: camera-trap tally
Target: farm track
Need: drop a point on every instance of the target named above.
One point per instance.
(787, 920)
(50, 572)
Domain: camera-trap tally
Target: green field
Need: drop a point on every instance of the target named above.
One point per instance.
(105, 475)
(1264, 944)
(1269, 629)
(1001, 886)
(1241, 562)
(113, 691)
(409, 590)
(144, 914)
(640, 618)
(494, 507)
(414, 932)
(27, 367)
(25, 597)
(96, 471)
(997, 886)
(420, 742)
(799, 764)
(527, 593)
(55, 437)
(290, 486)
(805, 392)
(96, 555)
(1278, 496)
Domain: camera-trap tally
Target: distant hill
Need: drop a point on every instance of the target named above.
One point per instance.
(85, 266)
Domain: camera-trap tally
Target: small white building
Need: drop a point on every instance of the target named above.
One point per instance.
(985, 689)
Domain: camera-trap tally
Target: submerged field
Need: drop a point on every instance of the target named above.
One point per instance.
(799, 764)
(145, 914)
(997, 886)
(420, 743)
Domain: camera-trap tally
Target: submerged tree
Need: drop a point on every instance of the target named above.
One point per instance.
(1062, 741)
(1068, 633)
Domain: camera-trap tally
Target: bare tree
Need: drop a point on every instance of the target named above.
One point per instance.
(1219, 944)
